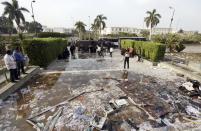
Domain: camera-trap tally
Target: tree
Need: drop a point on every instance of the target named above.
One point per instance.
(94, 28)
(14, 13)
(145, 33)
(33, 27)
(99, 22)
(181, 31)
(172, 41)
(80, 27)
(152, 20)
(6, 26)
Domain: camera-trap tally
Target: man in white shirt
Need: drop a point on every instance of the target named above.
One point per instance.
(111, 50)
(126, 59)
(11, 65)
(98, 50)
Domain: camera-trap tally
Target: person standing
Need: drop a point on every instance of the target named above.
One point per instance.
(11, 65)
(19, 58)
(98, 50)
(72, 49)
(102, 51)
(126, 59)
(111, 51)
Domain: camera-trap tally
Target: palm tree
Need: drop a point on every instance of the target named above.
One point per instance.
(80, 27)
(152, 20)
(94, 27)
(99, 22)
(14, 13)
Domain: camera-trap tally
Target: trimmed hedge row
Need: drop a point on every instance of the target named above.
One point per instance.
(148, 50)
(52, 34)
(42, 51)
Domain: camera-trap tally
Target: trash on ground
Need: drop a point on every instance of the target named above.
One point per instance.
(98, 122)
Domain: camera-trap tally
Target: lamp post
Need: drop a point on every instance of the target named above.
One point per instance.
(33, 15)
(89, 27)
(172, 18)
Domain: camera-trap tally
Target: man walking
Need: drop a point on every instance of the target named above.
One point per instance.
(11, 65)
(126, 59)
(111, 50)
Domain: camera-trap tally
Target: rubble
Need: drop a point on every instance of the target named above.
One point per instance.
(109, 99)
(193, 111)
(98, 122)
(188, 86)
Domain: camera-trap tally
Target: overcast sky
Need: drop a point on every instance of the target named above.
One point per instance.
(126, 13)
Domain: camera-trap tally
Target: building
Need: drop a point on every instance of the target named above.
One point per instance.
(116, 30)
(190, 32)
(162, 31)
(58, 29)
(46, 29)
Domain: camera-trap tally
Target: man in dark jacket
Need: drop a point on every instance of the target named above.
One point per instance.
(19, 58)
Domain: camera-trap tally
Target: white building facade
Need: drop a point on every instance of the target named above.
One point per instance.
(58, 29)
(116, 30)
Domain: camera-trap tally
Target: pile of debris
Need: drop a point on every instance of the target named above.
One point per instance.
(67, 116)
(192, 88)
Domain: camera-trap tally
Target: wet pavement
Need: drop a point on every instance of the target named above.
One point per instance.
(84, 85)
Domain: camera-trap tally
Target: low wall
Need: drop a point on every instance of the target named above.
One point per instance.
(12, 87)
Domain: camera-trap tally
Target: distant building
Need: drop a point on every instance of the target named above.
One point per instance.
(162, 31)
(116, 30)
(46, 29)
(190, 32)
(58, 29)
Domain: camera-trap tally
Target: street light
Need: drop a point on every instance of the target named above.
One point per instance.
(172, 18)
(33, 15)
(89, 27)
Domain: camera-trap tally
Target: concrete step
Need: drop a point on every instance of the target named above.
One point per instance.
(9, 88)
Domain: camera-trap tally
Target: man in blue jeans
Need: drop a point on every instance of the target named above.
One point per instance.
(126, 59)
(19, 58)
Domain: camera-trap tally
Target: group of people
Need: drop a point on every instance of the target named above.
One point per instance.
(14, 62)
(101, 50)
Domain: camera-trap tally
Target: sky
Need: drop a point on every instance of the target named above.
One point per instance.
(121, 13)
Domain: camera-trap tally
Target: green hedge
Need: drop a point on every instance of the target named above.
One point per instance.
(52, 34)
(148, 50)
(42, 51)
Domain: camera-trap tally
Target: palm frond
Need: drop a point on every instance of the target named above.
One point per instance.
(158, 15)
(15, 4)
(7, 4)
(154, 11)
(23, 9)
(148, 12)
(103, 25)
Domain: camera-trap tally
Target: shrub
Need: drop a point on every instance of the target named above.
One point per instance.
(43, 51)
(179, 47)
(174, 42)
(52, 34)
(126, 44)
(149, 50)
